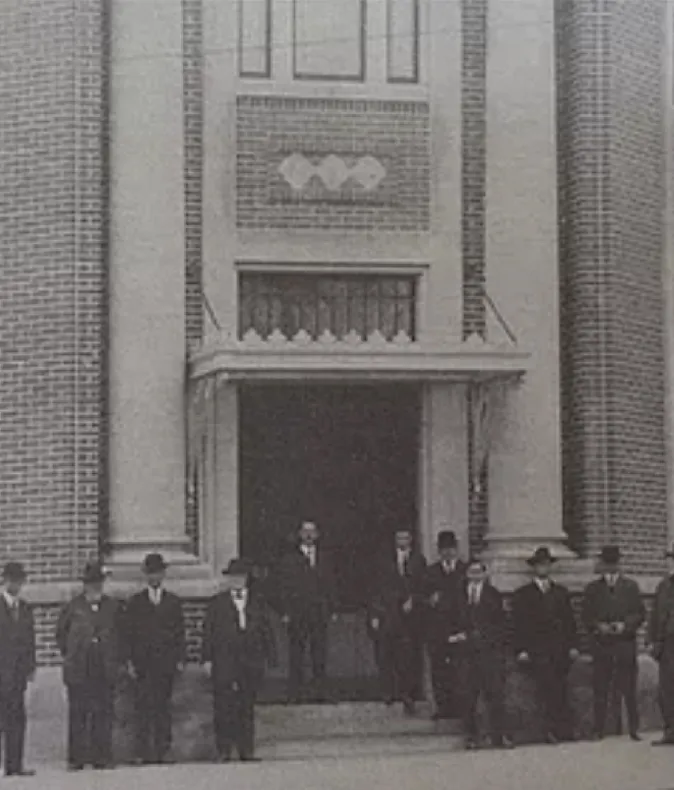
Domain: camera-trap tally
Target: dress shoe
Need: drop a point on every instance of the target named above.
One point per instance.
(388, 701)
(471, 744)
(25, 772)
(409, 707)
(504, 742)
(249, 758)
(664, 741)
(551, 738)
(224, 758)
(75, 767)
(166, 759)
(103, 766)
(597, 736)
(634, 736)
(441, 715)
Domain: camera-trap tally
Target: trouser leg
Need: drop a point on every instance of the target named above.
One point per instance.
(163, 691)
(78, 714)
(15, 728)
(246, 729)
(666, 688)
(101, 725)
(384, 658)
(297, 639)
(318, 645)
(602, 676)
(144, 715)
(626, 680)
(224, 720)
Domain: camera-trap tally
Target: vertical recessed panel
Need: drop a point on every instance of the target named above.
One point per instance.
(403, 40)
(255, 38)
(329, 39)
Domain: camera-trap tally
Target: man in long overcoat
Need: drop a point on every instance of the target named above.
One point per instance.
(440, 584)
(396, 619)
(155, 634)
(613, 612)
(17, 667)
(661, 639)
(545, 641)
(238, 645)
(88, 634)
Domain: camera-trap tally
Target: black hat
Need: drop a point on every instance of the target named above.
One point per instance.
(14, 572)
(475, 559)
(153, 563)
(447, 539)
(610, 555)
(542, 554)
(94, 573)
(238, 567)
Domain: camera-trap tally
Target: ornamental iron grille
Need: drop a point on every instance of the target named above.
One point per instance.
(316, 304)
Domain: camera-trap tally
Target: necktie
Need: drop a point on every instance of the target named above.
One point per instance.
(473, 595)
(15, 611)
(240, 608)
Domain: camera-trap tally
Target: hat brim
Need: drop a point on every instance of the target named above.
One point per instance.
(540, 560)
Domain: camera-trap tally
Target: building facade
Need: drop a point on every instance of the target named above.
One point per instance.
(372, 263)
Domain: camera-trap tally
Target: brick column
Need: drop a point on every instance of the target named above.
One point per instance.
(668, 261)
(147, 283)
(525, 502)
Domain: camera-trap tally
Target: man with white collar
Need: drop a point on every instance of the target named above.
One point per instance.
(238, 645)
(17, 666)
(155, 634)
(613, 612)
(545, 637)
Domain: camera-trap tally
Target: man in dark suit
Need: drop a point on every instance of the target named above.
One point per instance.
(661, 639)
(394, 620)
(476, 636)
(17, 667)
(439, 584)
(89, 637)
(307, 601)
(155, 634)
(613, 611)
(238, 644)
(545, 640)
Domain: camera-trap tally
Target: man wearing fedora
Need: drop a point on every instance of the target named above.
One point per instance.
(545, 641)
(155, 637)
(613, 612)
(17, 666)
(661, 640)
(440, 583)
(89, 638)
(238, 645)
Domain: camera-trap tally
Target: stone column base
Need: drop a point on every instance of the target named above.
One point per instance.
(126, 558)
(507, 559)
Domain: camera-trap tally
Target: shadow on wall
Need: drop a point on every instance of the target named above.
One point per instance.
(193, 740)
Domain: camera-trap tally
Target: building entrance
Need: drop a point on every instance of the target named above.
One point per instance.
(345, 457)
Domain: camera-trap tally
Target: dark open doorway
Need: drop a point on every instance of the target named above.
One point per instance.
(345, 457)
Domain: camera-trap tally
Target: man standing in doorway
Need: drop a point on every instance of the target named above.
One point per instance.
(396, 621)
(661, 639)
(88, 636)
(439, 584)
(545, 638)
(17, 667)
(613, 611)
(307, 599)
(155, 635)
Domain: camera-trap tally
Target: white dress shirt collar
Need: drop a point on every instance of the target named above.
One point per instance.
(10, 600)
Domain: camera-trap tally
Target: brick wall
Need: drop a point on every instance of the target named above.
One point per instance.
(52, 282)
(611, 204)
(396, 134)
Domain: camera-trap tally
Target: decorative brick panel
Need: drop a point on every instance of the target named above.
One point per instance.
(52, 283)
(331, 154)
(611, 235)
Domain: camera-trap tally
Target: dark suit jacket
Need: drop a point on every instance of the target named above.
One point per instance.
(237, 656)
(303, 589)
(485, 625)
(624, 604)
(438, 581)
(17, 648)
(543, 624)
(77, 627)
(155, 635)
(661, 622)
(393, 589)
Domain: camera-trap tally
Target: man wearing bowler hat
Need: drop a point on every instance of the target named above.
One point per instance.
(613, 611)
(545, 641)
(17, 666)
(238, 645)
(440, 583)
(661, 639)
(88, 636)
(155, 634)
